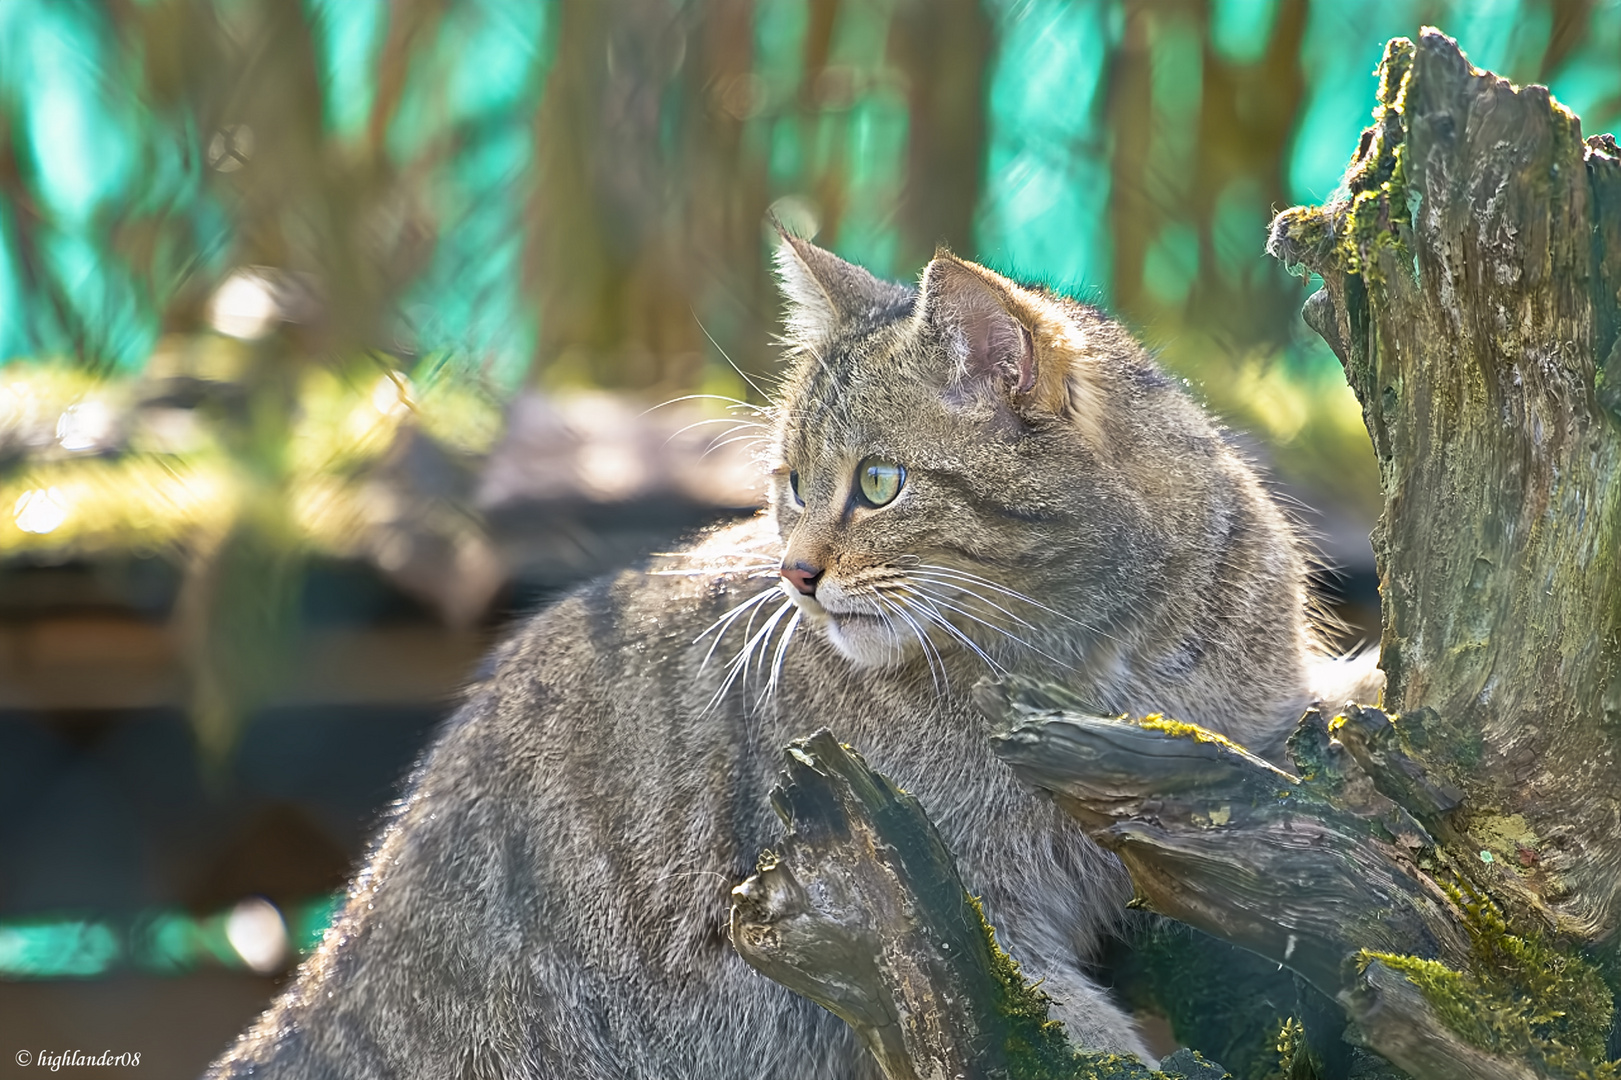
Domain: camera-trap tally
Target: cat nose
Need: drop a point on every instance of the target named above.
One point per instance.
(802, 576)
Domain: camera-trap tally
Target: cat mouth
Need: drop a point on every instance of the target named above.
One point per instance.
(851, 616)
(867, 638)
(864, 635)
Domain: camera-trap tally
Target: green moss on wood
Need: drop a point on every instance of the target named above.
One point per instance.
(1225, 1000)
(1523, 996)
(1378, 181)
(1348, 236)
(1304, 239)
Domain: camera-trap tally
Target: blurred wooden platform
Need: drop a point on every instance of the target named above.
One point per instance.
(73, 663)
(177, 1025)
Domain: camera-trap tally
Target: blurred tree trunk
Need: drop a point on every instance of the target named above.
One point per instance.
(1201, 144)
(664, 138)
(300, 216)
(942, 50)
(1447, 870)
(613, 310)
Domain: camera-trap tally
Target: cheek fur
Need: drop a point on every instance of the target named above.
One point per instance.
(786, 513)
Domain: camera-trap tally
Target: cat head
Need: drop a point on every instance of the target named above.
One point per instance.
(964, 465)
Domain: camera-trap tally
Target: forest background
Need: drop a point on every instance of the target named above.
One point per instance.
(313, 317)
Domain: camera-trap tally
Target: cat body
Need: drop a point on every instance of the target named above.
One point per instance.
(971, 477)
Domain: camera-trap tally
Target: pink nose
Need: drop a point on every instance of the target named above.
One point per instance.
(802, 576)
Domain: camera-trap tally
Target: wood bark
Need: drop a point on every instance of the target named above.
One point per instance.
(861, 910)
(1444, 866)
(1470, 289)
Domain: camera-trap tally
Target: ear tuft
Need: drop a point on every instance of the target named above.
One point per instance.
(809, 317)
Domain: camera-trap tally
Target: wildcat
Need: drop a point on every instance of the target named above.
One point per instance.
(967, 477)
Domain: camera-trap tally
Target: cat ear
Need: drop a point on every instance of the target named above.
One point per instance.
(825, 294)
(1027, 347)
(978, 314)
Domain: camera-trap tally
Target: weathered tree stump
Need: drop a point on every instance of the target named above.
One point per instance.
(1446, 867)
(1470, 289)
(861, 910)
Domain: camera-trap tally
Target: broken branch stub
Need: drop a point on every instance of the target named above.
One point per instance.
(861, 910)
(1323, 871)
(875, 928)
(1306, 871)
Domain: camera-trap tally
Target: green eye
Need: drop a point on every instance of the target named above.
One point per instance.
(880, 481)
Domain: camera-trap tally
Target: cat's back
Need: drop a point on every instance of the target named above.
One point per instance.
(616, 712)
(559, 869)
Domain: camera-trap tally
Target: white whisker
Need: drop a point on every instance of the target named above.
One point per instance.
(705, 553)
(931, 655)
(746, 377)
(963, 588)
(737, 425)
(776, 661)
(727, 442)
(740, 663)
(725, 621)
(762, 570)
(949, 572)
(760, 658)
(732, 401)
(953, 575)
(938, 603)
(928, 611)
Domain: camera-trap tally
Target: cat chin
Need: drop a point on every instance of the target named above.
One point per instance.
(865, 641)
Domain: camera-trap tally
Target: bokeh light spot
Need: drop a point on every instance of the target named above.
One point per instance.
(40, 510)
(256, 931)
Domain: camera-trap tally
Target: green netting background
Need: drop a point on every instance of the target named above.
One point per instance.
(567, 190)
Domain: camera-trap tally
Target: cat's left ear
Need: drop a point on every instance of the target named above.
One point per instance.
(826, 295)
(1003, 337)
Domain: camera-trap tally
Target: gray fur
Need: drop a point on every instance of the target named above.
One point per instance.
(550, 898)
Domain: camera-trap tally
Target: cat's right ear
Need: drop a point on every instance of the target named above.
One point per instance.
(825, 294)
